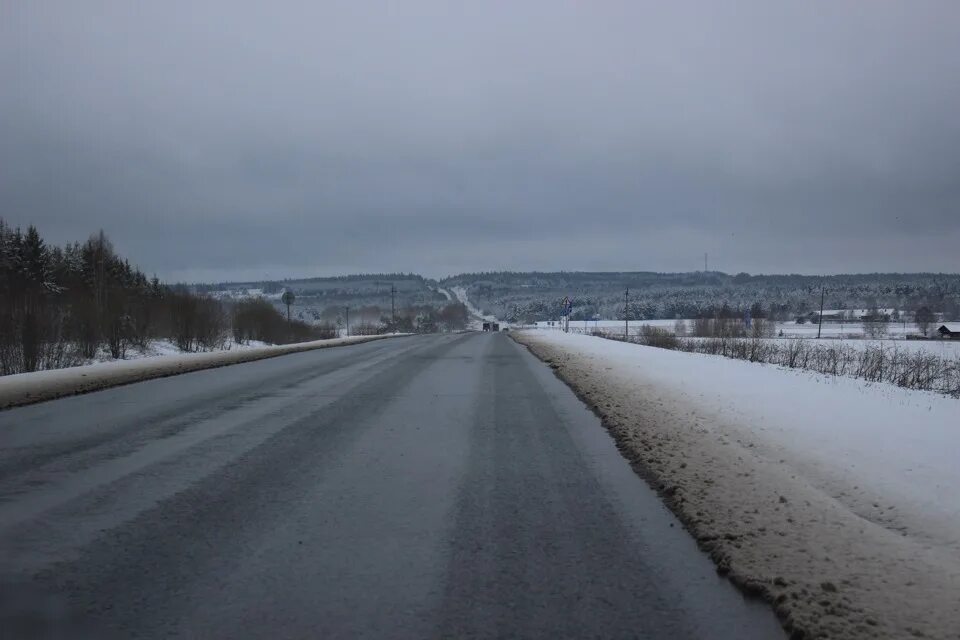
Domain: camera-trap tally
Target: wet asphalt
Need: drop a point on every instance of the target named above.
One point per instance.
(424, 487)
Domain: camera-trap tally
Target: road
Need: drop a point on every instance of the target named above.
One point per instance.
(436, 486)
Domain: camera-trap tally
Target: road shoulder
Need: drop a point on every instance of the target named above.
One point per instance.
(30, 388)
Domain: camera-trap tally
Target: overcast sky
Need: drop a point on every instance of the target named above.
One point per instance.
(216, 139)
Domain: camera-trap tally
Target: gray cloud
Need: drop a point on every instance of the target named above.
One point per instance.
(223, 139)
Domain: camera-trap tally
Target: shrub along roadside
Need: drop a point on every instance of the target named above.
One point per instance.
(257, 319)
(920, 369)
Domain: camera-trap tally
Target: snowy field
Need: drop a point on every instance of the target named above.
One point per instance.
(852, 334)
(827, 479)
(895, 330)
(606, 325)
(853, 330)
(945, 348)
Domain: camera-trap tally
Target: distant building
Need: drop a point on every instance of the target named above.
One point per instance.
(851, 315)
(828, 316)
(950, 331)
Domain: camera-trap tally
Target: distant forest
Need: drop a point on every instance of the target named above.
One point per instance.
(532, 296)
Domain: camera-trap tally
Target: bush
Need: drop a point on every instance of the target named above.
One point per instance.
(326, 331)
(922, 370)
(366, 329)
(257, 319)
(657, 337)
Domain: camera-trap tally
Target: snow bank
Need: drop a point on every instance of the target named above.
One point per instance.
(832, 498)
(28, 388)
(160, 348)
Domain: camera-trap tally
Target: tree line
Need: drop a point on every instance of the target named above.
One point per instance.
(531, 297)
(63, 306)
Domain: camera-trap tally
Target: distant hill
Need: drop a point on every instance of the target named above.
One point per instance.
(532, 296)
(325, 299)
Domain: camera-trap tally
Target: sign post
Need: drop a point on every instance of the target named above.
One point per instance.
(288, 299)
(565, 308)
(626, 314)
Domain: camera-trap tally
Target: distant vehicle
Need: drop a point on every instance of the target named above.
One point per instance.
(494, 326)
(486, 326)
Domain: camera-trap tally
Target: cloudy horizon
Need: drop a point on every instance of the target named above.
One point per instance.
(219, 140)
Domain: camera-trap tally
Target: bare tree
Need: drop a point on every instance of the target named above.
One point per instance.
(875, 323)
(924, 318)
(680, 328)
(875, 329)
(762, 328)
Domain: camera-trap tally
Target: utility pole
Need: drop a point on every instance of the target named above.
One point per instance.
(393, 307)
(820, 324)
(626, 314)
(347, 314)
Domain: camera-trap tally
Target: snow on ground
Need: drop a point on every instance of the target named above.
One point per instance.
(607, 325)
(850, 337)
(895, 330)
(162, 348)
(27, 388)
(896, 443)
(832, 497)
(943, 348)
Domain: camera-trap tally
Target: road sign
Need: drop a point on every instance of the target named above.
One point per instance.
(288, 299)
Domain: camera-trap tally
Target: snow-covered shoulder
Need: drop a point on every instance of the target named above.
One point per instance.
(27, 388)
(793, 480)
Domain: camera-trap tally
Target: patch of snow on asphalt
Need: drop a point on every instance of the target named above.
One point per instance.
(832, 497)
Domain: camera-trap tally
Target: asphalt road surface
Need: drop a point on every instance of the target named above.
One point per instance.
(442, 486)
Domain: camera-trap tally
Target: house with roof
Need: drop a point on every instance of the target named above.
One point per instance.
(950, 330)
